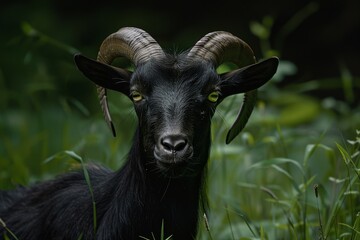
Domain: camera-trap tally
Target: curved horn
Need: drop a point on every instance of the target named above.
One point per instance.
(218, 47)
(132, 43)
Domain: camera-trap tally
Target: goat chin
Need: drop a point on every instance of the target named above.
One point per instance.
(174, 166)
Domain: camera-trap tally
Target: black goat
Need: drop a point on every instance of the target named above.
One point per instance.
(161, 182)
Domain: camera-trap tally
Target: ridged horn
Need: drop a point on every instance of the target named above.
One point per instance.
(219, 47)
(129, 42)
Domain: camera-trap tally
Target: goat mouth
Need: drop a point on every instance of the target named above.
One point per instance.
(172, 165)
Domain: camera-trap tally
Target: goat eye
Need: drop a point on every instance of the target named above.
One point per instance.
(213, 97)
(136, 96)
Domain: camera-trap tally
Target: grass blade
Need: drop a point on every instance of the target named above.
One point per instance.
(2, 223)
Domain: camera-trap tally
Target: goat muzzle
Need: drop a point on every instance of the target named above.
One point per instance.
(173, 150)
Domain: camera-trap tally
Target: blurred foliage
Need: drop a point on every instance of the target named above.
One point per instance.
(302, 133)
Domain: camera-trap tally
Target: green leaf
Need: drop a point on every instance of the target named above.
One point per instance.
(74, 156)
(28, 29)
(345, 155)
(350, 227)
(81, 236)
(336, 180)
(2, 223)
(311, 148)
(259, 30)
(283, 171)
(276, 161)
(80, 160)
(262, 233)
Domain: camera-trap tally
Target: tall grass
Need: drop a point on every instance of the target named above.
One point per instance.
(263, 193)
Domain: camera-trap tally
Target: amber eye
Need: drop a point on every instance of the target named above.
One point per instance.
(136, 96)
(213, 96)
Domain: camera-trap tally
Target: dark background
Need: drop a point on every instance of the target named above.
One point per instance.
(320, 37)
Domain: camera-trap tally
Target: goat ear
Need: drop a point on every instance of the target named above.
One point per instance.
(248, 78)
(104, 75)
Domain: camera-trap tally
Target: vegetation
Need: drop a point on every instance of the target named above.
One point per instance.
(292, 174)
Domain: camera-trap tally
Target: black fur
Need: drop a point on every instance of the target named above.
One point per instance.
(157, 185)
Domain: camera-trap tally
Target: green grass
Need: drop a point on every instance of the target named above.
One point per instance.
(265, 189)
(3, 224)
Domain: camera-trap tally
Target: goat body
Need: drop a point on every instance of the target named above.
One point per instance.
(161, 182)
(133, 207)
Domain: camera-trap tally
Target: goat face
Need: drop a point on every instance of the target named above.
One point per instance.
(174, 101)
(175, 96)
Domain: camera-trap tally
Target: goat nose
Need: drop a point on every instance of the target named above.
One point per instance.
(174, 143)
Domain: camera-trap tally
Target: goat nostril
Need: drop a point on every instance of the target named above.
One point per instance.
(174, 143)
(180, 145)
